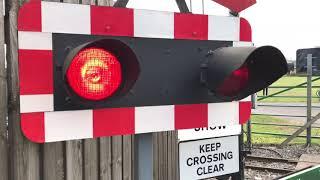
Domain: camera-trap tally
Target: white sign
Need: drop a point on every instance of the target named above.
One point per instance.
(208, 132)
(208, 158)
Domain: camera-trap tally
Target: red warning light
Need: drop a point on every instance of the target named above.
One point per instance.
(235, 83)
(94, 74)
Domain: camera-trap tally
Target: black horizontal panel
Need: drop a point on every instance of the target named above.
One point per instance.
(169, 72)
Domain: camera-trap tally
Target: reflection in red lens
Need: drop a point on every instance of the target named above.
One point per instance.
(94, 74)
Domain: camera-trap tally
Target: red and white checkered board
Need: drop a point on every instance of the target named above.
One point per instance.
(40, 123)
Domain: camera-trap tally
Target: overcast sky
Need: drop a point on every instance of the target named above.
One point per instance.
(286, 24)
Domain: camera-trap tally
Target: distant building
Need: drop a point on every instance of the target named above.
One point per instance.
(301, 62)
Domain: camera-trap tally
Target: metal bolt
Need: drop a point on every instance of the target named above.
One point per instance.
(209, 53)
(167, 51)
(67, 49)
(68, 99)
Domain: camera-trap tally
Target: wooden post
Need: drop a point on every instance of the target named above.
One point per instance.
(165, 155)
(128, 157)
(117, 158)
(105, 153)
(24, 155)
(53, 161)
(3, 103)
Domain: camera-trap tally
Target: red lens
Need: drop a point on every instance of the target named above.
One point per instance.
(94, 74)
(235, 83)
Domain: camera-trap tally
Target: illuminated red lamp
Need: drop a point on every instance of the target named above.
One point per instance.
(235, 83)
(94, 74)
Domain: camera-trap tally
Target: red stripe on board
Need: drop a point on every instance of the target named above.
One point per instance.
(35, 72)
(190, 116)
(29, 18)
(244, 111)
(190, 26)
(111, 21)
(114, 121)
(32, 126)
(245, 30)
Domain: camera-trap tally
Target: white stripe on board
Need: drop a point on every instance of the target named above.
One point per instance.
(224, 28)
(65, 18)
(36, 103)
(154, 118)
(68, 125)
(35, 40)
(153, 24)
(220, 114)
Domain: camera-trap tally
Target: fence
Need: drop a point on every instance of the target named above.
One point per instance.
(98, 159)
(276, 93)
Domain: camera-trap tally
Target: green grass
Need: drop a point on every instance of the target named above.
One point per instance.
(291, 81)
(270, 139)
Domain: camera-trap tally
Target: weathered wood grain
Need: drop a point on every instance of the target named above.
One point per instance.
(89, 2)
(175, 152)
(91, 161)
(72, 1)
(74, 160)
(117, 160)
(127, 158)
(165, 155)
(105, 2)
(105, 161)
(3, 103)
(53, 161)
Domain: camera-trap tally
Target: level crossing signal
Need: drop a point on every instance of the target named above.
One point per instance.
(85, 74)
(108, 69)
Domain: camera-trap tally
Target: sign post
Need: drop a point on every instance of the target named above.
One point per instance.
(144, 156)
(309, 98)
